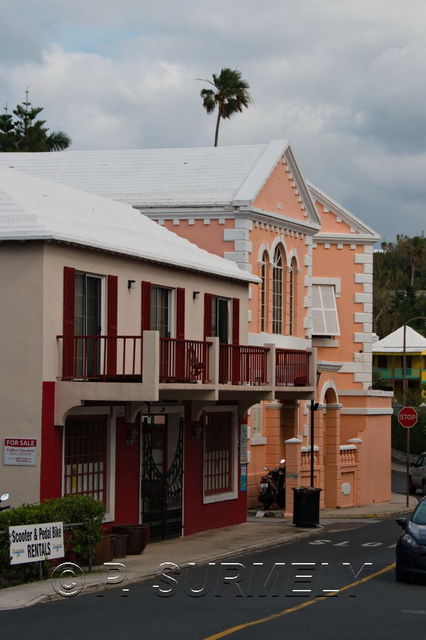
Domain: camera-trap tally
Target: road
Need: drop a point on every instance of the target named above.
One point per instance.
(238, 600)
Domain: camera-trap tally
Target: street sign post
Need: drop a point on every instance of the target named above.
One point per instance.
(407, 417)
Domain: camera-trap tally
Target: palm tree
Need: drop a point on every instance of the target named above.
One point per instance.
(230, 95)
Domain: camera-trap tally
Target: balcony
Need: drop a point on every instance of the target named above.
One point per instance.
(148, 367)
(397, 373)
(292, 368)
(240, 364)
(184, 361)
(120, 359)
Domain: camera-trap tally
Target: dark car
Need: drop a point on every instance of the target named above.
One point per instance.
(411, 545)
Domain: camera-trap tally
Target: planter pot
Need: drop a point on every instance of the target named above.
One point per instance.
(137, 536)
(119, 545)
(103, 550)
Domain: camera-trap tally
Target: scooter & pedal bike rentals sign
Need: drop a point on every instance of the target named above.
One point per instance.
(36, 542)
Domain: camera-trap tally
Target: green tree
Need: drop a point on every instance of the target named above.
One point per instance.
(399, 284)
(230, 95)
(24, 132)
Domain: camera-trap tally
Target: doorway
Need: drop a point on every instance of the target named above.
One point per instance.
(161, 474)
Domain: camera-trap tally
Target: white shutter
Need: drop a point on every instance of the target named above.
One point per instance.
(325, 321)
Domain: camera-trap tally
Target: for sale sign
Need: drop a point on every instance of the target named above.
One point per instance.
(407, 417)
(20, 451)
(36, 542)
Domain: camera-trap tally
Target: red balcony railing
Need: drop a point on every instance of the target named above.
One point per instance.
(119, 359)
(184, 360)
(101, 357)
(292, 368)
(240, 364)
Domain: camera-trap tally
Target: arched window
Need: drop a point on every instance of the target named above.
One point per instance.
(277, 291)
(264, 292)
(292, 302)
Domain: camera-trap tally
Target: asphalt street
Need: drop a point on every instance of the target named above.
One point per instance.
(287, 589)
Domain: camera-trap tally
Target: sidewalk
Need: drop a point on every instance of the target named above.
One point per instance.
(209, 546)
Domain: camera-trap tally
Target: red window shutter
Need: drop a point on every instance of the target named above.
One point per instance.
(146, 306)
(112, 312)
(68, 323)
(207, 315)
(180, 313)
(235, 321)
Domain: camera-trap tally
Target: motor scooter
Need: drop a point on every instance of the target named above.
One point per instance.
(272, 487)
(4, 498)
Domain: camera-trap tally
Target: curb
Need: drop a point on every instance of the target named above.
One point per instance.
(366, 516)
(100, 586)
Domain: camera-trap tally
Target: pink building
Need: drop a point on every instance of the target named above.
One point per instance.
(313, 307)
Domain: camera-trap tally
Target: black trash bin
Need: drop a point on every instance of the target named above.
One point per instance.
(306, 506)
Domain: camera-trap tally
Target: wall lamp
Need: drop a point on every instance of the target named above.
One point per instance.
(195, 295)
(131, 284)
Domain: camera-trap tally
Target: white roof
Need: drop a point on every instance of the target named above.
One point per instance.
(393, 343)
(194, 176)
(34, 209)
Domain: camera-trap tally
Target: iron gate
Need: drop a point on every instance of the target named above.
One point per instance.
(161, 491)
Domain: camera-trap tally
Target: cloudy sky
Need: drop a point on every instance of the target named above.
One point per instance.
(343, 81)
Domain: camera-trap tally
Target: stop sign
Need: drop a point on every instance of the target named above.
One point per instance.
(407, 417)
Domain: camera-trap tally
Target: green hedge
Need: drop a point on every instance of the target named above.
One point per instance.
(79, 541)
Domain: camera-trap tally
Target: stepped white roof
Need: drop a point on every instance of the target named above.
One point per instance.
(34, 209)
(193, 176)
(393, 343)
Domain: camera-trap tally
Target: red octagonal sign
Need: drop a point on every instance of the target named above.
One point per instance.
(407, 417)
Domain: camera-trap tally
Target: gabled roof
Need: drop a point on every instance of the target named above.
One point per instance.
(393, 343)
(358, 228)
(34, 209)
(193, 177)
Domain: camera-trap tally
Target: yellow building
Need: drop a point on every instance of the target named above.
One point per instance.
(388, 360)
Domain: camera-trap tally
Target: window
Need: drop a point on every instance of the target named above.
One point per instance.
(292, 298)
(220, 319)
(160, 311)
(382, 362)
(325, 321)
(419, 516)
(277, 292)
(85, 456)
(264, 292)
(88, 322)
(218, 453)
